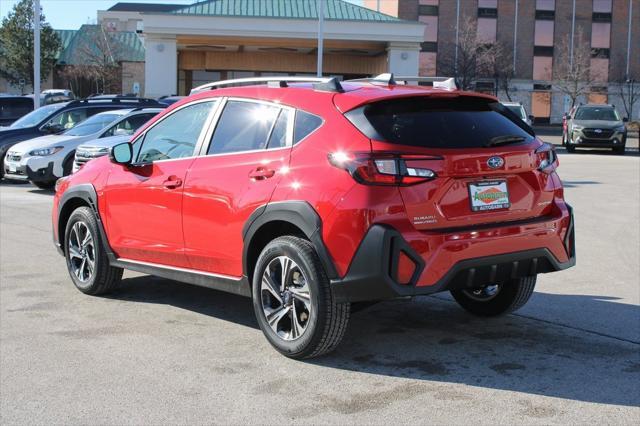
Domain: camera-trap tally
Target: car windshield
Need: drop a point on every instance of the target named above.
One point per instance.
(92, 125)
(517, 110)
(601, 114)
(35, 117)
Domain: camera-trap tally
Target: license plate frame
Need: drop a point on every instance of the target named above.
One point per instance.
(489, 195)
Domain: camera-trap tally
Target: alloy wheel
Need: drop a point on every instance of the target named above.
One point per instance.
(483, 294)
(285, 298)
(82, 255)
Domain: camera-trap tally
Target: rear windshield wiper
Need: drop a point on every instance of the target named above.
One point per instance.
(504, 140)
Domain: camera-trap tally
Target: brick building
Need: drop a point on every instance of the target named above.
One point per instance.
(532, 31)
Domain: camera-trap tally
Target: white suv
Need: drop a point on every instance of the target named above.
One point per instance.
(45, 159)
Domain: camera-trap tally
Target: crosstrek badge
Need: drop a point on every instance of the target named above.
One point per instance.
(489, 195)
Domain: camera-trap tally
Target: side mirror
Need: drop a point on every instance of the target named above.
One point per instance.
(625, 119)
(121, 153)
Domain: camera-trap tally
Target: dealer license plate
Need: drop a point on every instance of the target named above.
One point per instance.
(491, 195)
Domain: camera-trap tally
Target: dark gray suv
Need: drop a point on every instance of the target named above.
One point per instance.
(596, 126)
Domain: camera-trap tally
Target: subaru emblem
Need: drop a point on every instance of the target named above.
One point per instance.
(495, 162)
(598, 130)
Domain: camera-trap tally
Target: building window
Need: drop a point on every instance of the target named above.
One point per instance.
(543, 33)
(543, 50)
(541, 106)
(602, 6)
(542, 68)
(599, 69)
(545, 5)
(601, 35)
(487, 13)
(431, 27)
(425, 10)
(601, 17)
(600, 53)
(545, 15)
(429, 46)
(487, 28)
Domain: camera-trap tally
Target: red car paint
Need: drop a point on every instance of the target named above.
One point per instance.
(190, 213)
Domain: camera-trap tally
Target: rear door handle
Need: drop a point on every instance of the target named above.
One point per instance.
(172, 182)
(261, 173)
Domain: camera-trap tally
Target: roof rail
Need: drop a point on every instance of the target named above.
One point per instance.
(321, 83)
(389, 79)
(115, 100)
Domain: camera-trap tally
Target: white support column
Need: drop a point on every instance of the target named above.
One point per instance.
(161, 66)
(403, 58)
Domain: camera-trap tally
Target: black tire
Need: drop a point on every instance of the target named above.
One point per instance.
(571, 149)
(103, 278)
(67, 167)
(619, 150)
(45, 184)
(325, 322)
(510, 297)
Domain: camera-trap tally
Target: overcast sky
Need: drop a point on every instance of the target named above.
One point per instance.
(70, 14)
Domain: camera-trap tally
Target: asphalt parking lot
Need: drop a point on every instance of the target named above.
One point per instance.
(158, 351)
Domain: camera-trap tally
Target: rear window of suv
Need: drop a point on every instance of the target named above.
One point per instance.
(462, 122)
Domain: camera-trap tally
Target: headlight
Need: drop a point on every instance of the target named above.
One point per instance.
(622, 128)
(578, 128)
(42, 152)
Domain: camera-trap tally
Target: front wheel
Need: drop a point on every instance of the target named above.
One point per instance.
(496, 299)
(45, 184)
(87, 261)
(570, 148)
(293, 302)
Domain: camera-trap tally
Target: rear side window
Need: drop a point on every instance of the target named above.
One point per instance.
(243, 126)
(304, 125)
(462, 122)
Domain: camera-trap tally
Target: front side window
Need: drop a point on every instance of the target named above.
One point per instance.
(68, 119)
(176, 136)
(243, 126)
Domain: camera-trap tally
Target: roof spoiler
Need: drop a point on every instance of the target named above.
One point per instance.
(388, 79)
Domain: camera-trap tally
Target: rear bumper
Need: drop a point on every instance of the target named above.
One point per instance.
(370, 275)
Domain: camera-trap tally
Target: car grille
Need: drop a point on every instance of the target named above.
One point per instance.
(12, 156)
(597, 133)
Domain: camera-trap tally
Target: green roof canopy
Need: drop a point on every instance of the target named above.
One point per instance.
(124, 46)
(339, 10)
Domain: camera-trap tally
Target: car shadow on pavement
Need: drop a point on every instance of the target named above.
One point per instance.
(432, 339)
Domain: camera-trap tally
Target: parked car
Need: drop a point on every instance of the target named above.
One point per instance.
(595, 126)
(12, 108)
(308, 195)
(518, 109)
(45, 159)
(170, 100)
(119, 133)
(56, 118)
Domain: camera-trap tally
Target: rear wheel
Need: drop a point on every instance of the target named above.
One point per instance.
(87, 261)
(570, 148)
(497, 299)
(619, 150)
(293, 302)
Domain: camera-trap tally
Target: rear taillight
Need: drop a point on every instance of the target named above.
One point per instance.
(547, 158)
(380, 169)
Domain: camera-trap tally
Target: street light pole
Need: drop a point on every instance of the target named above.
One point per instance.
(320, 4)
(36, 54)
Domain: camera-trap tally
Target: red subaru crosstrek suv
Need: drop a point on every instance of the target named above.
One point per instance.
(311, 195)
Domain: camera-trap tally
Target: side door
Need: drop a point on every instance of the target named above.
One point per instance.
(143, 201)
(237, 172)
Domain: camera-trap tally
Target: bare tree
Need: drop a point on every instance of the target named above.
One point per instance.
(503, 72)
(627, 88)
(475, 57)
(95, 59)
(574, 76)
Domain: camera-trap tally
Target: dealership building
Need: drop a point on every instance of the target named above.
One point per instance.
(187, 45)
